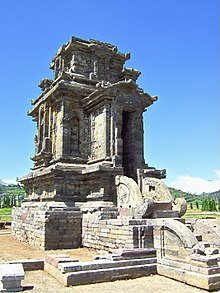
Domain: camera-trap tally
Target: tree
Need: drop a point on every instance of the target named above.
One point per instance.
(213, 205)
(205, 204)
(219, 204)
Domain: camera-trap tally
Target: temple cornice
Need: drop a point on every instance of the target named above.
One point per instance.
(111, 91)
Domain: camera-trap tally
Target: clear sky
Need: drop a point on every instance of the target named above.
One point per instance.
(174, 43)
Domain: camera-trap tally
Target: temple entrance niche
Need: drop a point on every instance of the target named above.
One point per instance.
(127, 137)
(74, 137)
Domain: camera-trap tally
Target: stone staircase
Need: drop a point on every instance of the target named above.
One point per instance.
(129, 264)
(178, 254)
(201, 268)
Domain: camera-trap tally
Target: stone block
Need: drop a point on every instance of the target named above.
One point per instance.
(138, 253)
(11, 276)
(111, 274)
(30, 264)
(164, 214)
(204, 281)
(56, 259)
(47, 225)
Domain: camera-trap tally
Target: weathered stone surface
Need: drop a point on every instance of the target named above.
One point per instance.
(133, 204)
(164, 214)
(209, 229)
(103, 264)
(11, 276)
(155, 189)
(90, 185)
(138, 253)
(56, 259)
(208, 282)
(180, 205)
(128, 192)
(89, 131)
(48, 225)
(111, 271)
(89, 117)
(29, 264)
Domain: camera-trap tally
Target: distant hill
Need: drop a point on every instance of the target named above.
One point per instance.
(179, 193)
(2, 183)
(11, 190)
(192, 197)
(215, 194)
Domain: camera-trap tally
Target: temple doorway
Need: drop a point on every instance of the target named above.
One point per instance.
(126, 135)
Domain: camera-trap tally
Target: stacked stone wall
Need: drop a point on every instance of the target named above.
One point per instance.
(115, 234)
(48, 228)
(28, 225)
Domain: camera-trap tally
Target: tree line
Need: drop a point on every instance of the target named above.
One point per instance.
(9, 201)
(207, 204)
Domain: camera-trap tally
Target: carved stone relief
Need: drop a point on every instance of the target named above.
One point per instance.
(128, 192)
(155, 189)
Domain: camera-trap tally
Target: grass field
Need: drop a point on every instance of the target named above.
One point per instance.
(198, 214)
(5, 214)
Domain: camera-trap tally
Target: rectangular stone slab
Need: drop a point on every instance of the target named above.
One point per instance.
(102, 264)
(112, 274)
(11, 271)
(138, 253)
(10, 277)
(56, 259)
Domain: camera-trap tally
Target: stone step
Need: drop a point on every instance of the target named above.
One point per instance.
(126, 254)
(110, 274)
(102, 264)
(55, 259)
(198, 237)
(205, 260)
(138, 253)
(204, 281)
(212, 270)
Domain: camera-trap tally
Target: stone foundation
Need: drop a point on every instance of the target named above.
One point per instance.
(115, 234)
(48, 225)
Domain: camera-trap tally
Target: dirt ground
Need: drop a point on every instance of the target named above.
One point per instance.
(41, 282)
(11, 249)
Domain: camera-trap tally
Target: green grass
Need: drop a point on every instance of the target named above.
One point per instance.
(5, 214)
(198, 214)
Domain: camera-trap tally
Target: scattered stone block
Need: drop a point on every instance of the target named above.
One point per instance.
(11, 276)
(56, 259)
(29, 264)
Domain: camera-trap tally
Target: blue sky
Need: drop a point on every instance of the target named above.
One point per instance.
(174, 43)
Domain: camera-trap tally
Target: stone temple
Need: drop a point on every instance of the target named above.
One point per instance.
(90, 185)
